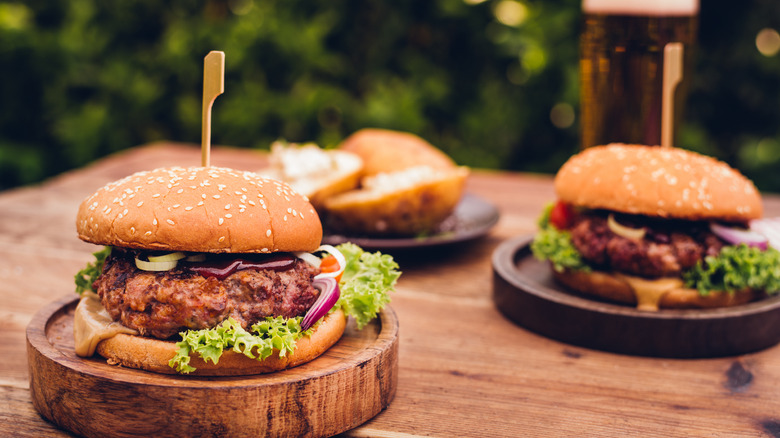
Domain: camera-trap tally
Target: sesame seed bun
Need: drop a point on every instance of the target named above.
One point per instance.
(655, 181)
(200, 209)
(153, 354)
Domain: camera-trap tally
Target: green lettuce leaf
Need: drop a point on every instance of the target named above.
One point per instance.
(736, 268)
(366, 282)
(272, 333)
(554, 245)
(85, 277)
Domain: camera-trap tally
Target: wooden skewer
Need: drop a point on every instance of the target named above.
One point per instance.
(213, 86)
(673, 73)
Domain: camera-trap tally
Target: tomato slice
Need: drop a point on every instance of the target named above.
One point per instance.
(562, 215)
(330, 264)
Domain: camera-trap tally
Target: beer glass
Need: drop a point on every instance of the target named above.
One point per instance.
(621, 67)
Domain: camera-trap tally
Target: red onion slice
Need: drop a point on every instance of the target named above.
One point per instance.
(740, 235)
(329, 294)
(770, 228)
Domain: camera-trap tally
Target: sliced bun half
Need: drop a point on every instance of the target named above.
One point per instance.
(200, 209)
(153, 354)
(656, 181)
(314, 172)
(406, 202)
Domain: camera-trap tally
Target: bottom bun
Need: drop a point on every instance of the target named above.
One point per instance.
(405, 203)
(154, 354)
(616, 287)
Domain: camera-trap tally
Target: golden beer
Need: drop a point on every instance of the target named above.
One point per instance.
(621, 67)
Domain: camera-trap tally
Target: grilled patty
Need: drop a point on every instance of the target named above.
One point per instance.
(161, 304)
(668, 248)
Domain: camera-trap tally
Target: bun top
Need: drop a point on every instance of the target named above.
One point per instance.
(656, 181)
(200, 209)
(383, 151)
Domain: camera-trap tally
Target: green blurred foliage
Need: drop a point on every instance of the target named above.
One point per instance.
(84, 78)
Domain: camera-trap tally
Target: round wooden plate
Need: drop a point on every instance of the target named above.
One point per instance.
(348, 385)
(524, 291)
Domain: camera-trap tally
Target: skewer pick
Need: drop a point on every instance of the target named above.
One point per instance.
(673, 72)
(213, 86)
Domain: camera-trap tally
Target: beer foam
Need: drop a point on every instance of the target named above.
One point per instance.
(641, 7)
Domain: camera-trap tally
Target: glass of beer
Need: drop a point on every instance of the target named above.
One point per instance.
(621, 67)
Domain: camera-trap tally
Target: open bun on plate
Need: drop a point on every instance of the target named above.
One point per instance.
(404, 202)
(314, 172)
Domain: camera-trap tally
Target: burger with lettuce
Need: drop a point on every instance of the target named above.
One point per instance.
(657, 228)
(213, 271)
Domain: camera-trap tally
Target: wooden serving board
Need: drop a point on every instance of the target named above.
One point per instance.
(525, 291)
(349, 384)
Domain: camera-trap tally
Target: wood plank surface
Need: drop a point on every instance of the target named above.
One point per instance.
(464, 369)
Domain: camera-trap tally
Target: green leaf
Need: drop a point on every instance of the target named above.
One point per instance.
(366, 283)
(554, 245)
(736, 268)
(85, 277)
(271, 333)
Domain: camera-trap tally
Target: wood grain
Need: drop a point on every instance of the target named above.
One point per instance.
(463, 368)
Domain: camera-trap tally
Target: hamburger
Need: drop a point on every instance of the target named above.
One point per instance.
(656, 228)
(213, 271)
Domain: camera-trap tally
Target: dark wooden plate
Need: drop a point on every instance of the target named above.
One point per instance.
(473, 217)
(524, 291)
(349, 384)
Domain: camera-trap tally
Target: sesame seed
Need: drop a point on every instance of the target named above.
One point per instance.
(228, 215)
(156, 195)
(154, 222)
(140, 204)
(132, 230)
(227, 207)
(148, 233)
(268, 233)
(200, 203)
(222, 239)
(216, 196)
(285, 217)
(203, 196)
(170, 222)
(188, 208)
(221, 220)
(109, 210)
(176, 205)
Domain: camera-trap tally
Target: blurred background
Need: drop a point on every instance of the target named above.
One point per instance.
(493, 83)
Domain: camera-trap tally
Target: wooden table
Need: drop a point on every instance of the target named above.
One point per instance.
(464, 369)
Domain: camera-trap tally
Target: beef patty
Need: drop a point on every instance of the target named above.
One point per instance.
(161, 304)
(667, 249)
